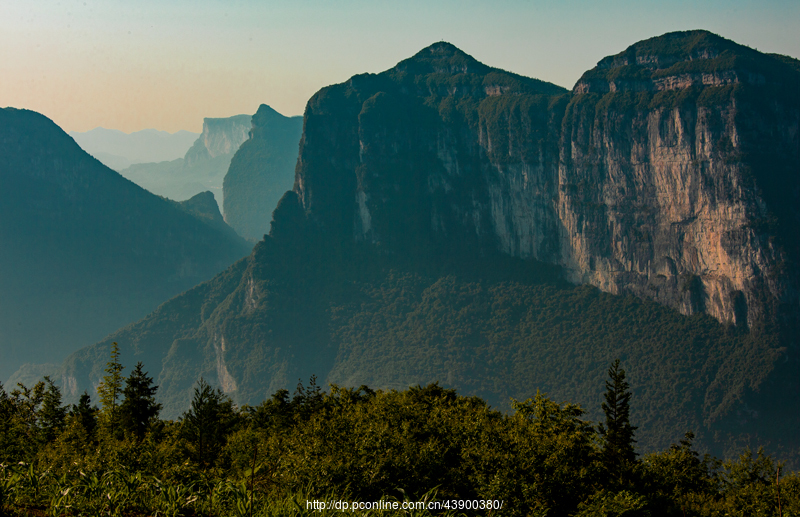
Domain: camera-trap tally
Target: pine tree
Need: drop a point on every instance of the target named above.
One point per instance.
(139, 408)
(111, 388)
(86, 415)
(207, 423)
(618, 454)
(51, 412)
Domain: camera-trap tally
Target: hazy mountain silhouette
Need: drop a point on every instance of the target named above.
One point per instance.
(202, 168)
(85, 251)
(261, 171)
(119, 150)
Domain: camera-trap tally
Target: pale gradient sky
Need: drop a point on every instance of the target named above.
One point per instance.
(166, 64)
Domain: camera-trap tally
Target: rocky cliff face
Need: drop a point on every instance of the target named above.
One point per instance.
(670, 171)
(665, 185)
(220, 136)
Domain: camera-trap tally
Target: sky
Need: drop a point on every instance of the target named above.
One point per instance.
(167, 64)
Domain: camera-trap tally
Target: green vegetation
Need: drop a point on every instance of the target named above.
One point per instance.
(617, 433)
(110, 389)
(357, 444)
(691, 52)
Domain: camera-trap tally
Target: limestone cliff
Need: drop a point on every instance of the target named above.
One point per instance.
(680, 143)
(220, 136)
(670, 171)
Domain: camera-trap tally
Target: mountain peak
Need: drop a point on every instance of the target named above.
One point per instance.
(443, 49)
(678, 60)
(672, 47)
(442, 57)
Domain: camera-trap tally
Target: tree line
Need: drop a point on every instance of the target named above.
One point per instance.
(423, 443)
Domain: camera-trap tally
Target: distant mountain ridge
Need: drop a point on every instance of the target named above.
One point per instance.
(220, 136)
(119, 150)
(202, 168)
(440, 207)
(84, 250)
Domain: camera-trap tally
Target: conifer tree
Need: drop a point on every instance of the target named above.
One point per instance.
(86, 414)
(111, 388)
(207, 423)
(618, 455)
(139, 408)
(51, 412)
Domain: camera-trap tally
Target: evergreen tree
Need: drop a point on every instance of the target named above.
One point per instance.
(618, 455)
(207, 423)
(139, 408)
(111, 388)
(86, 415)
(51, 413)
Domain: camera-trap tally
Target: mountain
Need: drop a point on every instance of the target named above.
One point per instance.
(261, 171)
(85, 251)
(220, 136)
(120, 150)
(202, 168)
(446, 219)
(663, 174)
(204, 206)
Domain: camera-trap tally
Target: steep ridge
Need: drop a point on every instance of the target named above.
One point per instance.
(205, 207)
(85, 251)
(261, 171)
(427, 202)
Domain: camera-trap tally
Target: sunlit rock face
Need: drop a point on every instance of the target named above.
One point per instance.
(220, 136)
(671, 171)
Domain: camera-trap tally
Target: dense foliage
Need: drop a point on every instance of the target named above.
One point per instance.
(356, 444)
